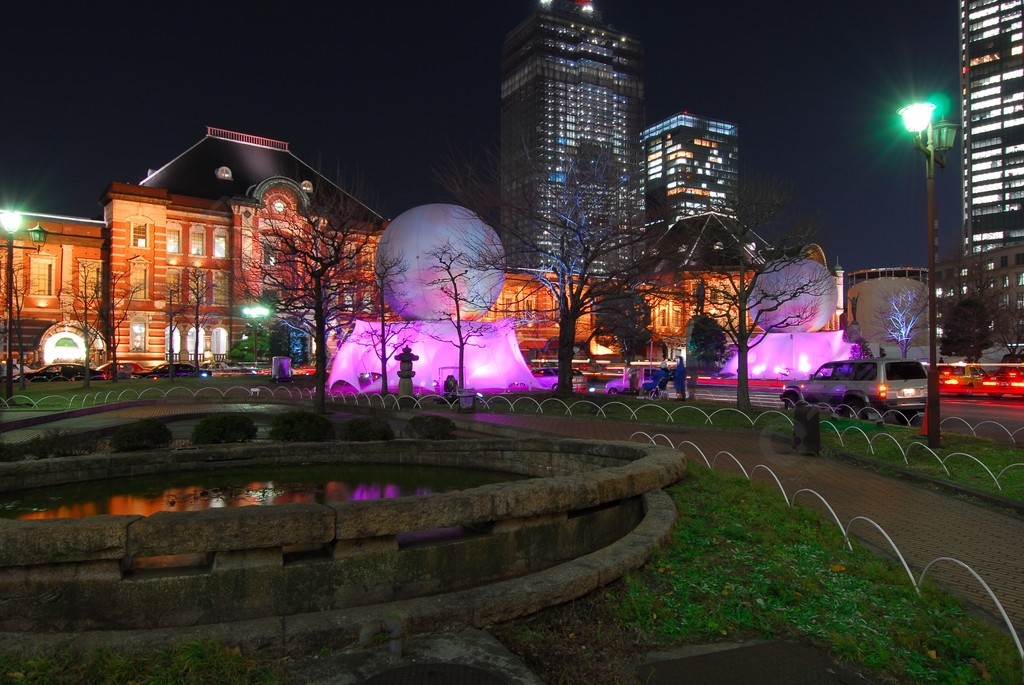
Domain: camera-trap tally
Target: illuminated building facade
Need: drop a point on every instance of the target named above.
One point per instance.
(692, 167)
(180, 247)
(992, 60)
(572, 91)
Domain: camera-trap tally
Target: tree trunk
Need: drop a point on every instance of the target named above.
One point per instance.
(320, 335)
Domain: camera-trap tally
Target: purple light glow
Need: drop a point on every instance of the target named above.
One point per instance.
(493, 360)
(791, 355)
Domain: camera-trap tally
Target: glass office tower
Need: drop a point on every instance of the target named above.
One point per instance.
(992, 61)
(572, 93)
(692, 167)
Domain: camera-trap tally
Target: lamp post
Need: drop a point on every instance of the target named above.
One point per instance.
(11, 222)
(932, 140)
(255, 313)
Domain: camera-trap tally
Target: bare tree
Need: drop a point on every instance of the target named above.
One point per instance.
(117, 310)
(18, 292)
(749, 258)
(1008, 327)
(197, 288)
(389, 337)
(456, 267)
(174, 306)
(86, 307)
(317, 264)
(903, 314)
(571, 236)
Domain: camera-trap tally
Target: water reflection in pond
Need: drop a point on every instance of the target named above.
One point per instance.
(194, 491)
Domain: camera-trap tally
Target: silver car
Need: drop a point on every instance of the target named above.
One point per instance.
(885, 384)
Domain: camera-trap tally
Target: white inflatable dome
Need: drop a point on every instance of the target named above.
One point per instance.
(426, 238)
(805, 292)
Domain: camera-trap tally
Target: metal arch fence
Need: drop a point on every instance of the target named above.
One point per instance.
(559, 406)
(84, 400)
(845, 530)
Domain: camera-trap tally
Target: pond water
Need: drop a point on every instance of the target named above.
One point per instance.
(194, 491)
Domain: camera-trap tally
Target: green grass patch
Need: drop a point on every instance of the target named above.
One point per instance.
(742, 564)
(193, 662)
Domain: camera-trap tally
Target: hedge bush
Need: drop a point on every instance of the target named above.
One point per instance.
(431, 427)
(301, 426)
(366, 428)
(219, 428)
(146, 434)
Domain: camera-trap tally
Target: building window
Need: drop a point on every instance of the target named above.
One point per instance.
(139, 279)
(219, 341)
(1004, 261)
(220, 245)
(138, 337)
(140, 231)
(1020, 300)
(220, 287)
(89, 281)
(172, 342)
(1006, 281)
(41, 277)
(174, 240)
(197, 242)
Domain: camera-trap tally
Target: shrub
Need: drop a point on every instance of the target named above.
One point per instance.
(218, 428)
(431, 427)
(366, 428)
(141, 435)
(301, 426)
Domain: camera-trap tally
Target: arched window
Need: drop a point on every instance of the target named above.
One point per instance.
(172, 342)
(219, 341)
(190, 343)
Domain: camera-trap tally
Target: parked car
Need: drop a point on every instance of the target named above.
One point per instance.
(61, 372)
(225, 369)
(162, 371)
(124, 370)
(885, 384)
(547, 377)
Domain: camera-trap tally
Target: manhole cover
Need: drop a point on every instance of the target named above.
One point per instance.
(427, 674)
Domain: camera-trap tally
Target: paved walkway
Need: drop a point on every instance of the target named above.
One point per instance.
(924, 523)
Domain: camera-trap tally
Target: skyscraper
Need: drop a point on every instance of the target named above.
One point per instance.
(992, 61)
(692, 167)
(572, 91)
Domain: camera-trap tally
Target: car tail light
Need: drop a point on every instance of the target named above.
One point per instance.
(989, 383)
(951, 381)
(883, 391)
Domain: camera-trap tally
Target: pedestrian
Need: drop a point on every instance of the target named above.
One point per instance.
(679, 379)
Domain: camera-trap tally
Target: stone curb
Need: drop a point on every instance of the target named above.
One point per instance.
(477, 607)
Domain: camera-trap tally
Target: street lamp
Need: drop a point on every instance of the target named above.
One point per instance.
(932, 140)
(255, 313)
(11, 222)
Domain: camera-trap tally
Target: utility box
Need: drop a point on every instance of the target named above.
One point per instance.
(467, 400)
(281, 369)
(806, 429)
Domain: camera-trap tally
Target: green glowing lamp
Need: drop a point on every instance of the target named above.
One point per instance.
(917, 117)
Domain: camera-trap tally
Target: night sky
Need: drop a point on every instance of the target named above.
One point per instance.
(382, 90)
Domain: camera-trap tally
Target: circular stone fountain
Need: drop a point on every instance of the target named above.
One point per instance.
(281, 578)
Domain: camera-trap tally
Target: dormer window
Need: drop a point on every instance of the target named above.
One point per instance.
(224, 173)
(307, 186)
